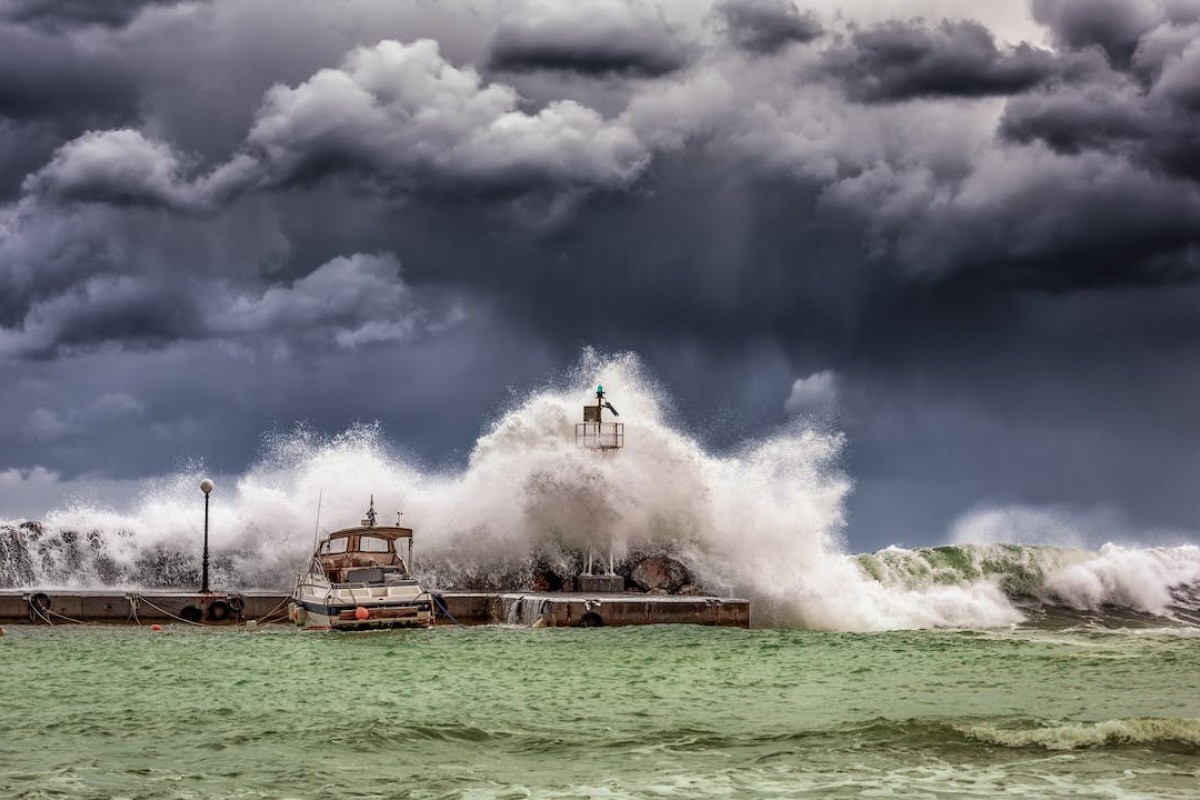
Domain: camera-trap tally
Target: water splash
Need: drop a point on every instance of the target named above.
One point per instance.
(765, 522)
(1160, 581)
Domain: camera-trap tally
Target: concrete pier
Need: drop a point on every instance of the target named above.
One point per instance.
(61, 606)
(567, 609)
(65, 606)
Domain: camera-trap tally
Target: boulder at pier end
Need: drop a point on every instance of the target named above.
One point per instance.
(660, 572)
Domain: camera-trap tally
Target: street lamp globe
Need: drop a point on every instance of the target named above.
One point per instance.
(206, 486)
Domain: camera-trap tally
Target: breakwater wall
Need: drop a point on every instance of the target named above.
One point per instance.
(467, 608)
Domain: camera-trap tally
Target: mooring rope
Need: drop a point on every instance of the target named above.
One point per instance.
(267, 616)
(169, 614)
(64, 616)
(442, 606)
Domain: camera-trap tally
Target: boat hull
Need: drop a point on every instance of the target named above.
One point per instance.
(358, 581)
(340, 617)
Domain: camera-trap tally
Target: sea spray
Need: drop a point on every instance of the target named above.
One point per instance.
(1161, 581)
(1156, 580)
(765, 521)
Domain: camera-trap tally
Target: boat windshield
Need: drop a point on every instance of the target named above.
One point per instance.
(383, 575)
(372, 544)
(334, 546)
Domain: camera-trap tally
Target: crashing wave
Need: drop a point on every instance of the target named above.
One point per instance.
(1161, 581)
(764, 522)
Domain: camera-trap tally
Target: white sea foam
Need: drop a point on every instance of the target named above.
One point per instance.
(764, 522)
(1154, 580)
(1075, 735)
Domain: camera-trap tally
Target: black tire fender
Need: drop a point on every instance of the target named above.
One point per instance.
(218, 610)
(39, 606)
(591, 620)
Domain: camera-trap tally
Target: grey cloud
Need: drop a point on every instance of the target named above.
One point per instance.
(1071, 119)
(1149, 116)
(54, 77)
(411, 118)
(101, 309)
(1115, 26)
(123, 168)
(901, 61)
(397, 113)
(43, 254)
(1035, 220)
(48, 425)
(373, 117)
(59, 14)
(1161, 45)
(1178, 83)
(595, 38)
(766, 26)
(815, 394)
(348, 302)
(353, 300)
(119, 167)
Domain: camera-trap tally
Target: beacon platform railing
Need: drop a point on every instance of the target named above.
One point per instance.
(600, 435)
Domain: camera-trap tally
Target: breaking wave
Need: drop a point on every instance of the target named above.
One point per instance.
(764, 522)
(1108, 733)
(1158, 581)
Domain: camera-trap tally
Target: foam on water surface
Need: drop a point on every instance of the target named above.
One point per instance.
(652, 712)
(1071, 736)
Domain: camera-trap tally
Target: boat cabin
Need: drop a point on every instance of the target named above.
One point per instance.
(365, 555)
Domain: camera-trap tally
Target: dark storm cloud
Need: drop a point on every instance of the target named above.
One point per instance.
(403, 118)
(59, 14)
(522, 50)
(348, 302)
(1146, 108)
(99, 310)
(593, 39)
(49, 76)
(766, 26)
(404, 114)
(447, 201)
(1117, 120)
(901, 61)
(117, 167)
(1115, 26)
(352, 301)
(1041, 221)
(1071, 119)
(371, 116)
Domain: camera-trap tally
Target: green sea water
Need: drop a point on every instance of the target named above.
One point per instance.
(652, 712)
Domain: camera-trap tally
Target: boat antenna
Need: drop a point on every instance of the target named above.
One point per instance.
(317, 527)
(371, 513)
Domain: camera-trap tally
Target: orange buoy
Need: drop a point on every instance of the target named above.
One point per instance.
(361, 613)
(156, 627)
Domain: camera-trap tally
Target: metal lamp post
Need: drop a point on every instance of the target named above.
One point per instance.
(206, 486)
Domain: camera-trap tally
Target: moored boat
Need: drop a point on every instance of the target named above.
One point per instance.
(358, 580)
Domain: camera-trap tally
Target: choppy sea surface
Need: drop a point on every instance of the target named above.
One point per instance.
(651, 712)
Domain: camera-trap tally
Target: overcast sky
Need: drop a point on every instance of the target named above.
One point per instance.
(969, 242)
